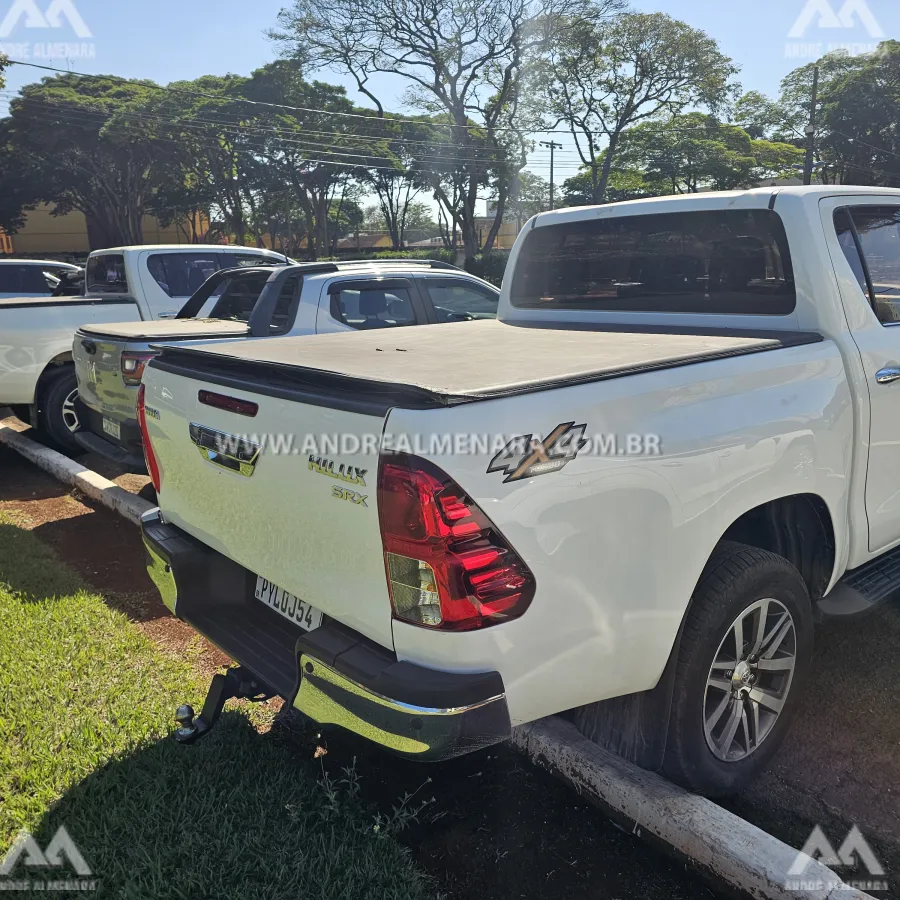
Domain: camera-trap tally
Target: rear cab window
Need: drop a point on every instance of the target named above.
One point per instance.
(241, 293)
(714, 262)
(106, 274)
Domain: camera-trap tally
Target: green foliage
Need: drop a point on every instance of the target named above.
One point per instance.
(447, 256)
(489, 266)
(860, 110)
(605, 76)
(86, 705)
(696, 150)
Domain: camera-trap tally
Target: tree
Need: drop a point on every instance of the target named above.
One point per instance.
(625, 183)
(529, 195)
(606, 76)
(860, 111)
(696, 150)
(463, 61)
(71, 142)
(4, 62)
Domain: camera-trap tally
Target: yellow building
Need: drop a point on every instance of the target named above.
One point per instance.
(53, 236)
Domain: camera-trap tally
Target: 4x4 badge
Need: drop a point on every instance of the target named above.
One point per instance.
(526, 456)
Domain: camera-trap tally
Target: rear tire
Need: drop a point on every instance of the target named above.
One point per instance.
(732, 705)
(56, 413)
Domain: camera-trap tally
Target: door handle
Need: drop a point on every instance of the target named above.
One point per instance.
(888, 374)
(168, 315)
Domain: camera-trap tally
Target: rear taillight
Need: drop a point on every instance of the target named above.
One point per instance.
(448, 566)
(132, 365)
(149, 455)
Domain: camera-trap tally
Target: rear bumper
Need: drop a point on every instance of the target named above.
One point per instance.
(332, 674)
(127, 452)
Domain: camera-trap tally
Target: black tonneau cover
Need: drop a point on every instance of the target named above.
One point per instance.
(448, 364)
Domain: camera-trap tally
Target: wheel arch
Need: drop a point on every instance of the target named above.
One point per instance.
(50, 370)
(798, 527)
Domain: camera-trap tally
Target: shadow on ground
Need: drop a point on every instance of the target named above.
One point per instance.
(237, 816)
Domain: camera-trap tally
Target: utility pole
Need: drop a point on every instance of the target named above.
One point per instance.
(811, 130)
(553, 146)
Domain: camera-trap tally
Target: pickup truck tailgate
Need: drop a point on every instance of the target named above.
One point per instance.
(97, 351)
(299, 515)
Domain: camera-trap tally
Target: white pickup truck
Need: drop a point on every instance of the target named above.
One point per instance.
(628, 499)
(253, 302)
(37, 377)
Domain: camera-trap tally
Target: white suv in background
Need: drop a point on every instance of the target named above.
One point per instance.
(31, 277)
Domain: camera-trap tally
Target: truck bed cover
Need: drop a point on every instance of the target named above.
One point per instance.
(167, 329)
(443, 365)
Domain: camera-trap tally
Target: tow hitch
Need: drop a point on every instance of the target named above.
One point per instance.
(237, 682)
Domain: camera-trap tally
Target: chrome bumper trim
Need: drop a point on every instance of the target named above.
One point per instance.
(330, 698)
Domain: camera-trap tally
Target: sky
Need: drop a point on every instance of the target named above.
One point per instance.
(169, 40)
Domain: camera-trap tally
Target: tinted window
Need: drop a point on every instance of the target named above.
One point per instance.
(238, 297)
(230, 260)
(373, 307)
(106, 275)
(459, 300)
(180, 274)
(23, 280)
(717, 261)
(844, 228)
(878, 230)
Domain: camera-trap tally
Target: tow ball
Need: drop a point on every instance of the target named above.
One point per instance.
(236, 682)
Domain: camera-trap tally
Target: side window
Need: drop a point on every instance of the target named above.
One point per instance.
(106, 274)
(23, 280)
(366, 306)
(844, 228)
(878, 231)
(456, 301)
(180, 274)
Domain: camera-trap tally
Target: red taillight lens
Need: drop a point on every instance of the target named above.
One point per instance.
(149, 455)
(132, 365)
(447, 565)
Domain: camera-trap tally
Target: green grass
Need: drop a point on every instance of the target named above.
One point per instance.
(86, 703)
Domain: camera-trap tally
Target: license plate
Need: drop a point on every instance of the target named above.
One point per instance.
(291, 607)
(113, 429)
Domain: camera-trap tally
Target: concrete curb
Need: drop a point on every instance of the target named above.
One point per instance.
(726, 848)
(70, 472)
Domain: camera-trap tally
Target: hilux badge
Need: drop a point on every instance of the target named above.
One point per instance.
(344, 471)
(526, 456)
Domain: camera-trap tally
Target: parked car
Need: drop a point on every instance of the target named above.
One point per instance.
(691, 408)
(37, 377)
(303, 299)
(31, 277)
